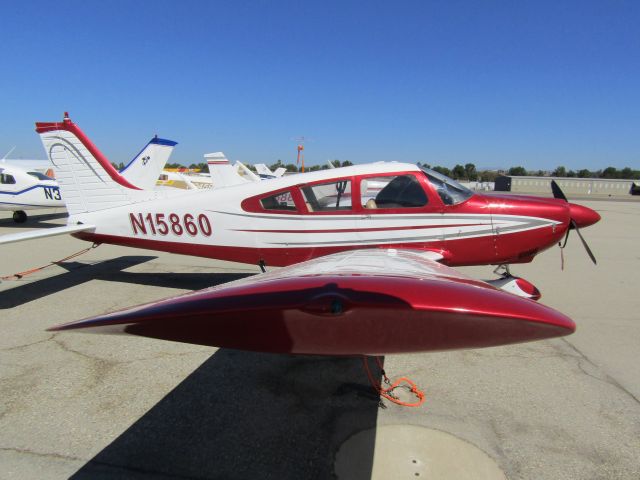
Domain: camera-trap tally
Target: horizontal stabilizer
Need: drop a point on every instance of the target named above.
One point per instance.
(351, 303)
(44, 232)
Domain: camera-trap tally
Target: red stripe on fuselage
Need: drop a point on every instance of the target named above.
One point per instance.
(275, 257)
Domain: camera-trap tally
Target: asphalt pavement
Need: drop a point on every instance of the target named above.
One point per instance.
(103, 406)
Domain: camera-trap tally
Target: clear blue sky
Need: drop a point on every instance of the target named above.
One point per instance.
(495, 83)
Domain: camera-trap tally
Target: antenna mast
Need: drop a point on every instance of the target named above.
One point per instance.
(300, 158)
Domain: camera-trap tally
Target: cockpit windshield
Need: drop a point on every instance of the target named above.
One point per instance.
(450, 191)
(39, 176)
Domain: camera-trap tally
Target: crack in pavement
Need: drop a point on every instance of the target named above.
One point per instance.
(41, 454)
(608, 379)
(18, 347)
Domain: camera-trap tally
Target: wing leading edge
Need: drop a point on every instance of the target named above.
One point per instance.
(360, 302)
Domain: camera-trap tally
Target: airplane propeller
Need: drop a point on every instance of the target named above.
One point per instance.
(573, 225)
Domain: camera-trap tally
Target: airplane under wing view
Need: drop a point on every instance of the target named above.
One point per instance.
(366, 252)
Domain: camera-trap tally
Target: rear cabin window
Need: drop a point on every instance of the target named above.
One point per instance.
(399, 191)
(327, 197)
(7, 179)
(279, 201)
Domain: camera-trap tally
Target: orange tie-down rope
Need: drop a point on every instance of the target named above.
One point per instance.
(19, 275)
(388, 392)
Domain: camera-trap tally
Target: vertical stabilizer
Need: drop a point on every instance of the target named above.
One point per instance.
(244, 171)
(263, 170)
(87, 179)
(223, 174)
(143, 171)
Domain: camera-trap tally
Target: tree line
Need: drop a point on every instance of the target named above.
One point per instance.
(469, 172)
(466, 172)
(609, 172)
(290, 167)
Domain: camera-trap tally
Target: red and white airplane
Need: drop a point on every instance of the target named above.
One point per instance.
(367, 253)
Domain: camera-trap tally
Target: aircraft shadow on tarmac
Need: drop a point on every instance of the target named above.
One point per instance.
(249, 415)
(36, 221)
(113, 271)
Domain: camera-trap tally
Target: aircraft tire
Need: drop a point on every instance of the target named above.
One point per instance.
(19, 216)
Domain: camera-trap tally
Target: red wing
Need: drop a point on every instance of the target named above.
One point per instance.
(359, 302)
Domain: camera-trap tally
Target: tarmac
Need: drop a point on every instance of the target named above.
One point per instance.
(102, 406)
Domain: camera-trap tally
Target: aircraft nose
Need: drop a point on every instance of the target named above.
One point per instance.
(583, 216)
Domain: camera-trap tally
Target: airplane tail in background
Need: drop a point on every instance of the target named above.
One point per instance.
(244, 171)
(263, 170)
(143, 171)
(87, 179)
(223, 174)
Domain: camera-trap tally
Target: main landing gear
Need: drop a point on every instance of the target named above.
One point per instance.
(19, 216)
(512, 284)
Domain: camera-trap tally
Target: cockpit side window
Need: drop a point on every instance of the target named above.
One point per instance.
(396, 191)
(325, 197)
(450, 191)
(7, 179)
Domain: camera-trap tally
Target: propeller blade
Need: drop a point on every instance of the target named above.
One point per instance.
(586, 247)
(557, 191)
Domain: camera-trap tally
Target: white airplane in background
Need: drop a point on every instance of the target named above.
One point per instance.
(223, 174)
(22, 190)
(42, 166)
(220, 174)
(168, 179)
(265, 172)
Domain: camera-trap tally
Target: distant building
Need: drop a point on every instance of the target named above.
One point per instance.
(570, 186)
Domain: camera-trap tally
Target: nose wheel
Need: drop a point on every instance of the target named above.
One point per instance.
(19, 216)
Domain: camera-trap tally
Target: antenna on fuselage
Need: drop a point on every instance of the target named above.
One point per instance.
(8, 153)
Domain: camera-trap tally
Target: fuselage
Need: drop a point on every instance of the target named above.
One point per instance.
(295, 218)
